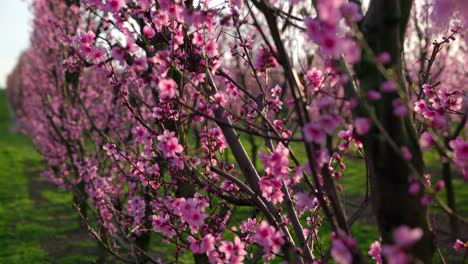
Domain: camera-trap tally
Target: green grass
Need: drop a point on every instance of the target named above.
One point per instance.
(25, 224)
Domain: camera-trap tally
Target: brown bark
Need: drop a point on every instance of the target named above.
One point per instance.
(383, 28)
(447, 176)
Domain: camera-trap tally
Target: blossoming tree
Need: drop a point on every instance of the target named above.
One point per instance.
(222, 127)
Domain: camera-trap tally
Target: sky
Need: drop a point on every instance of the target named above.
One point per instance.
(15, 24)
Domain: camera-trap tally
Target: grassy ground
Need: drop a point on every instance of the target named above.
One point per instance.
(37, 223)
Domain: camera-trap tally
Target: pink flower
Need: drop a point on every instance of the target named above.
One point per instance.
(161, 224)
(198, 39)
(329, 123)
(395, 255)
(315, 77)
(148, 31)
(249, 225)
(141, 135)
(276, 91)
(388, 87)
(329, 10)
(426, 141)
(439, 185)
(420, 106)
(399, 110)
(425, 200)
(167, 89)
(313, 29)
(351, 10)
(362, 126)
(227, 249)
(207, 243)
(375, 251)
(351, 51)
(405, 236)
(331, 45)
(460, 151)
(373, 95)
(277, 164)
(114, 6)
(459, 245)
(405, 153)
(384, 58)
(427, 179)
(110, 148)
(304, 202)
(265, 60)
(194, 245)
(271, 190)
(169, 144)
(414, 188)
(267, 237)
(313, 133)
(340, 252)
(236, 4)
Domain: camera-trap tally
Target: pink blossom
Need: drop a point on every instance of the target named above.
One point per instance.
(427, 179)
(329, 10)
(420, 106)
(395, 255)
(399, 110)
(425, 201)
(331, 45)
(362, 126)
(233, 252)
(375, 251)
(313, 133)
(384, 58)
(167, 89)
(161, 224)
(315, 77)
(271, 190)
(276, 165)
(439, 185)
(169, 144)
(114, 6)
(265, 60)
(148, 31)
(267, 237)
(340, 252)
(329, 123)
(373, 95)
(304, 202)
(276, 91)
(313, 29)
(249, 225)
(426, 141)
(460, 151)
(351, 51)
(111, 149)
(351, 10)
(405, 153)
(405, 236)
(458, 245)
(414, 188)
(388, 87)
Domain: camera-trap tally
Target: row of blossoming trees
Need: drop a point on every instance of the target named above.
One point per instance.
(222, 128)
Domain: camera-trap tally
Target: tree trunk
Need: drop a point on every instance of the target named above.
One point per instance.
(447, 176)
(383, 28)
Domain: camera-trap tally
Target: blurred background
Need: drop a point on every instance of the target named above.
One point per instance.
(15, 21)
